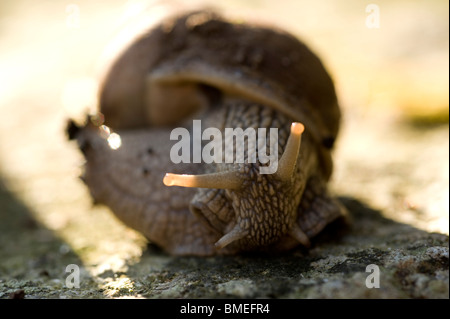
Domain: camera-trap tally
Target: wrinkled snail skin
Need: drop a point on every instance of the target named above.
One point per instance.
(200, 66)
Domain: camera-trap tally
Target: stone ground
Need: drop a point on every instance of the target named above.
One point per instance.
(391, 167)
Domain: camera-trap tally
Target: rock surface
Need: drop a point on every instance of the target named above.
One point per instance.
(412, 264)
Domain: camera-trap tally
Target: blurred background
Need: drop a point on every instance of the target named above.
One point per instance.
(389, 61)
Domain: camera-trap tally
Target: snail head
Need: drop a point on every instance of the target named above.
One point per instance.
(261, 212)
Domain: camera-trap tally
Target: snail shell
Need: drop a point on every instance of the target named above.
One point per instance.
(198, 65)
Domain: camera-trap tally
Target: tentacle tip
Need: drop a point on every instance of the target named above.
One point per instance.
(297, 128)
(222, 243)
(306, 244)
(297, 233)
(218, 245)
(168, 179)
(230, 237)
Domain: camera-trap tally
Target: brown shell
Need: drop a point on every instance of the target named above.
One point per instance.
(262, 64)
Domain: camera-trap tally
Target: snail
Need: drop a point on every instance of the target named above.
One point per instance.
(201, 66)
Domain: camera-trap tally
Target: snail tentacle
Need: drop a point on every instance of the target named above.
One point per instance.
(219, 180)
(286, 164)
(236, 234)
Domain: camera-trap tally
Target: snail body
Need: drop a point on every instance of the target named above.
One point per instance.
(200, 66)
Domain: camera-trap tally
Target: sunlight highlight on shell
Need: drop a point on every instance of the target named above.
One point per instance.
(114, 141)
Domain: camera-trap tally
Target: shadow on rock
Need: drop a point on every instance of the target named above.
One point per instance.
(33, 259)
